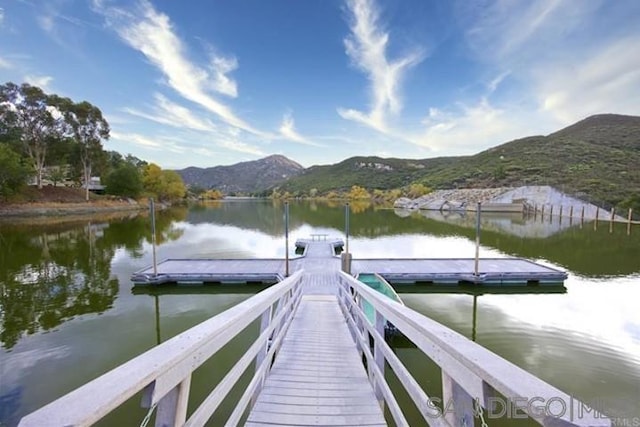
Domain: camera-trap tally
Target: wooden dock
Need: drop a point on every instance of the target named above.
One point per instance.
(307, 359)
(319, 256)
(318, 377)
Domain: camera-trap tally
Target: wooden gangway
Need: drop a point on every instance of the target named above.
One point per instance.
(317, 360)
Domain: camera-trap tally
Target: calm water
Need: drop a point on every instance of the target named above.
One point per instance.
(68, 312)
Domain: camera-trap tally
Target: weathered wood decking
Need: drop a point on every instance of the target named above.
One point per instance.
(318, 377)
(319, 256)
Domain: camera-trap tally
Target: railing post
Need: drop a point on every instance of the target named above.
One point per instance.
(172, 408)
(265, 321)
(456, 402)
(378, 355)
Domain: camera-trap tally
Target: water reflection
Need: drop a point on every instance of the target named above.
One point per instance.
(49, 275)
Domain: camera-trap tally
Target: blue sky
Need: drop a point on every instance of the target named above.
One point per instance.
(209, 82)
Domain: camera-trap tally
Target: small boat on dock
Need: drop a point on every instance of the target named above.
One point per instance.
(377, 283)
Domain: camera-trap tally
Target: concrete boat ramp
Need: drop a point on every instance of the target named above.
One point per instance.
(319, 254)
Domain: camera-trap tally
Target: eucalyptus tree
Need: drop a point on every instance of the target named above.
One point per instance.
(89, 128)
(33, 116)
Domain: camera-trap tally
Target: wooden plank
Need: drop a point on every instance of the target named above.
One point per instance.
(320, 410)
(314, 419)
(316, 371)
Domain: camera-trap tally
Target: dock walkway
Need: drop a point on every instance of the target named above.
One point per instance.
(318, 377)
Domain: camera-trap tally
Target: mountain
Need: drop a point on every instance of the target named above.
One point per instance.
(245, 177)
(597, 159)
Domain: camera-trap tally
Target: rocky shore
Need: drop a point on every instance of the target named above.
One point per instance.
(531, 197)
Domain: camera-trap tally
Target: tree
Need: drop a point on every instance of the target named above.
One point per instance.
(13, 173)
(358, 193)
(31, 113)
(57, 174)
(124, 181)
(89, 128)
(152, 179)
(173, 186)
(165, 185)
(417, 190)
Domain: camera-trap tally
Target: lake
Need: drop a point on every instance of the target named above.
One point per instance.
(68, 311)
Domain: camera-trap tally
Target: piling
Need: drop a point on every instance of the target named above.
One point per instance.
(582, 217)
(286, 239)
(629, 221)
(613, 213)
(535, 212)
(477, 262)
(595, 223)
(152, 209)
(542, 214)
(560, 215)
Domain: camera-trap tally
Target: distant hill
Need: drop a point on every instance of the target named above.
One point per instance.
(246, 177)
(370, 172)
(597, 159)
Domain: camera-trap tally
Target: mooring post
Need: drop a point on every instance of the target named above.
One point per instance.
(346, 225)
(479, 207)
(613, 214)
(571, 215)
(629, 222)
(152, 209)
(582, 217)
(595, 223)
(286, 239)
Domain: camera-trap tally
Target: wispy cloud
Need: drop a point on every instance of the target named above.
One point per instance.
(1, 16)
(608, 81)
(5, 63)
(468, 127)
(157, 143)
(366, 46)
(288, 131)
(40, 81)
(241, 147)
(222, 83)
(172, 114)
(152, 33)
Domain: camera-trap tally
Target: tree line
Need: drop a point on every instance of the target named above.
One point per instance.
(47, 136)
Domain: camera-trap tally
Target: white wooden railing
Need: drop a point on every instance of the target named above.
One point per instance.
(164, 372)
(476, 383)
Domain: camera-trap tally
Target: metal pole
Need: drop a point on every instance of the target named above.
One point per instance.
(346, 225)
(286, 238)
(477, 238)
(152, 208)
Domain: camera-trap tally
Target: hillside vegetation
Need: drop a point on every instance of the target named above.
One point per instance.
(597, 159)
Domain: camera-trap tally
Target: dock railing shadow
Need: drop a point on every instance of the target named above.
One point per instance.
(475, 381)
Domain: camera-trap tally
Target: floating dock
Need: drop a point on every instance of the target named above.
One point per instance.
(319, 254)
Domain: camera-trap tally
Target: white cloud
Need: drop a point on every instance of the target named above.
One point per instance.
(46, 22)
(1, 16)
(288, 130)
(5, 64)
(157, 143)
(467, 128)
(367, 48)
(241, 147)
(41, 81)
(221, 66)
(152, 33)
(172, 114)
(607, 81)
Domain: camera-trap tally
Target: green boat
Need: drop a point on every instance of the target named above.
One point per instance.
(377, 283)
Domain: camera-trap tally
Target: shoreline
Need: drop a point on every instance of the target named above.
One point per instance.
(36, 210)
